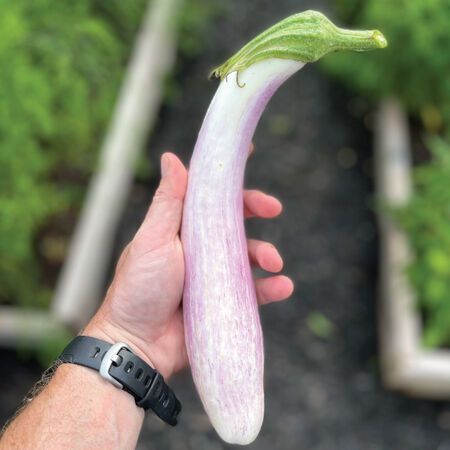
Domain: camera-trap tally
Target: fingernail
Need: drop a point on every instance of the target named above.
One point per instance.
(165, 165)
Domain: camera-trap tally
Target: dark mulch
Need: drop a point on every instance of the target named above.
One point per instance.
(313, 151)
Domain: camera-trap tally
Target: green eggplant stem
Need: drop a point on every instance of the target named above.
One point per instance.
(305, 37)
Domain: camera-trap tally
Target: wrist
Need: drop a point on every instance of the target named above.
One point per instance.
(102, 329)
(122, 367)
(157, 352)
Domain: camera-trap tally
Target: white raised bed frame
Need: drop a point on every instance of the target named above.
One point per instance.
(406, 365)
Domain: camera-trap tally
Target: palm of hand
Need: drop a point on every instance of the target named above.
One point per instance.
(158, 275)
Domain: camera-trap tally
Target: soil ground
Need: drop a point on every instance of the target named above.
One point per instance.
(314, 152)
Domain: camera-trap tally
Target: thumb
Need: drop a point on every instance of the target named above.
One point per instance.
(163, 220)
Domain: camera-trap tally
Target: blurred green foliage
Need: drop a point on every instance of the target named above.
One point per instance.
(61, 65)
(414, 69)
(426, 219)
(194, 25)
(415, 65)
(47, 348)
(320, 325)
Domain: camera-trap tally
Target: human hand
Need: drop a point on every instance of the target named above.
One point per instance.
(143, 304)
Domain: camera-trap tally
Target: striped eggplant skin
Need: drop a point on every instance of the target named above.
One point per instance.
(222, 329)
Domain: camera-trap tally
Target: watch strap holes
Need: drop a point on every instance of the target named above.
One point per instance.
(128, 367)
(95, 352)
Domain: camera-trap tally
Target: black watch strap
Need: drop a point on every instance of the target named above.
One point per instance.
(118, 364)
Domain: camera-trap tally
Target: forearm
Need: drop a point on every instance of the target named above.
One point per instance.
(77, 409)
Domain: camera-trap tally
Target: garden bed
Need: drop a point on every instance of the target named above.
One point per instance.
(314, 152)
(407, 365)
(81, 284)
(62, 66)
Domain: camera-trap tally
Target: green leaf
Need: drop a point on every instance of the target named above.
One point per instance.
(319, 325)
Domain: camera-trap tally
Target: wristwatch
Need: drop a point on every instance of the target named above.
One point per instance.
(118, 364)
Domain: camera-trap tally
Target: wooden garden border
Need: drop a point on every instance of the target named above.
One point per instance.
(81, 283)
(406, 365)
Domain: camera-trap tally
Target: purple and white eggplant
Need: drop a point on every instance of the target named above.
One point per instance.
(223, 332)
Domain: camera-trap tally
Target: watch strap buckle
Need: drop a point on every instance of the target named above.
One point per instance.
(110, 358)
